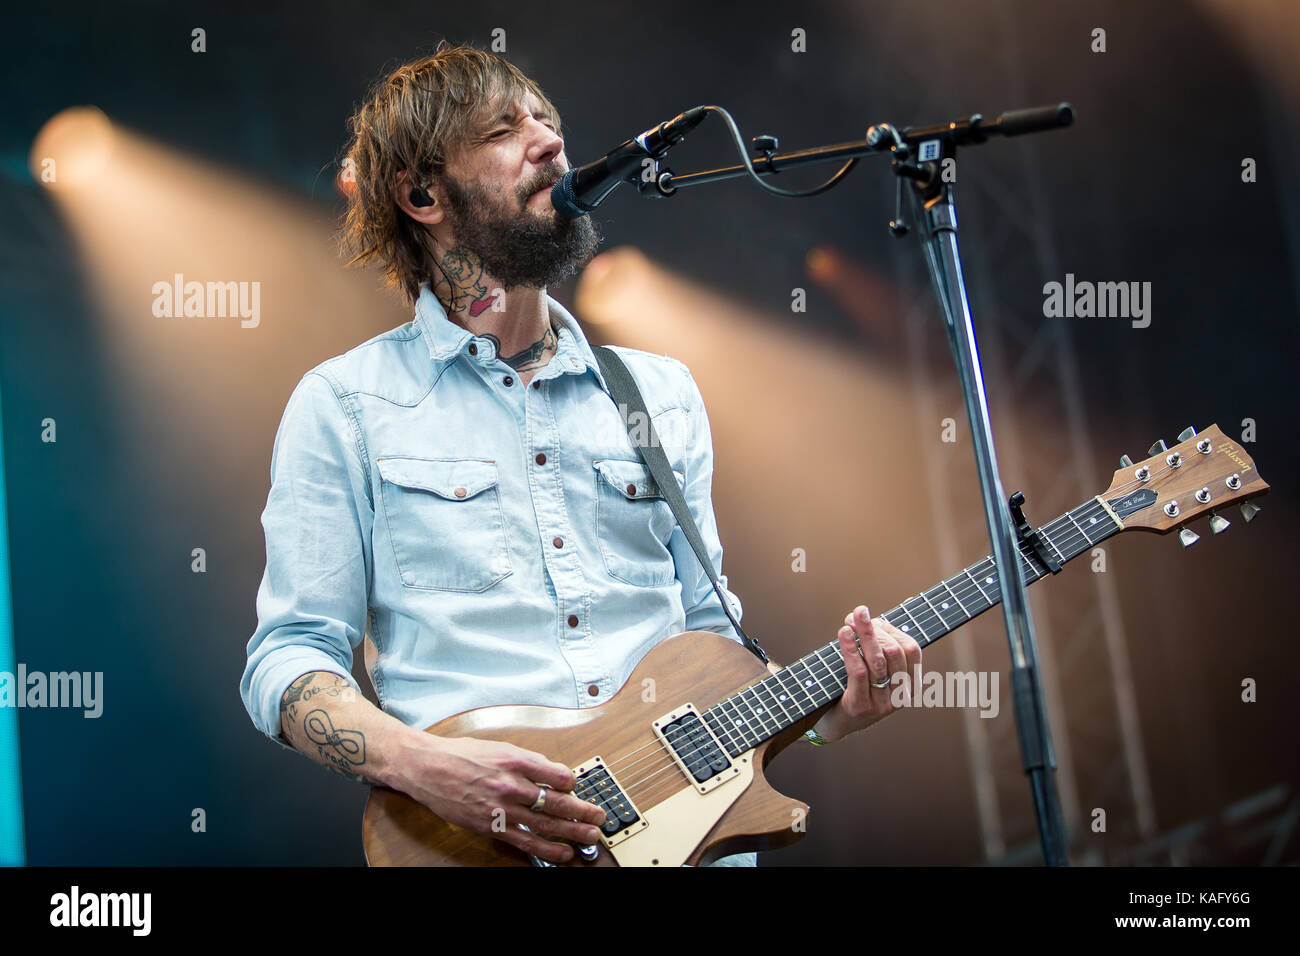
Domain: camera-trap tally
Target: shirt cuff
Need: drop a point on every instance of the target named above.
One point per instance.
(272, 679)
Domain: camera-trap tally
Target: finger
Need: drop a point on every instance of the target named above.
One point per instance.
(897, 661)
(530, 843)
(869, 640)
(534, 766)
(854, 665)
(556, 828)
(569, 807)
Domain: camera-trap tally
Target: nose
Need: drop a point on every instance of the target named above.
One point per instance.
(546, 144)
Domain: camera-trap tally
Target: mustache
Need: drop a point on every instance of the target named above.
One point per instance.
(545, 179)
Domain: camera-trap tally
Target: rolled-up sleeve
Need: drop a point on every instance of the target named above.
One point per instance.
(312, 602)
(700, 601)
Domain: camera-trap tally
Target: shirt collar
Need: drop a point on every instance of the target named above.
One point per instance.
(447, 340)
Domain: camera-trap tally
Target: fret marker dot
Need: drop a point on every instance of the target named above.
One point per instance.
(759, 710)
(807, 683)
(781, 697)
(1092, 521)
(740, 723)
(906, 628)
(944, 605)
(988, 580)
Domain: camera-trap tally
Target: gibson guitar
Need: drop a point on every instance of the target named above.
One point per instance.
(681, 781)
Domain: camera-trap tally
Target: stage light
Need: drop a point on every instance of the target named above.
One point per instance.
(73, 148)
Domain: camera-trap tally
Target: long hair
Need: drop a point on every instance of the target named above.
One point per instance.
(414, 120)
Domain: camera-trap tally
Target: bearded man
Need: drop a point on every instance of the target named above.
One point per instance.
(446, 487)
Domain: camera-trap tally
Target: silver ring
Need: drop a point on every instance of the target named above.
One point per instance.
(881, 684)
(540, 803)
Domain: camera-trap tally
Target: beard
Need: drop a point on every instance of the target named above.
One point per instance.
(519, 247)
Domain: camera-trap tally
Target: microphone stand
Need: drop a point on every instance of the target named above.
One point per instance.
(919, 157)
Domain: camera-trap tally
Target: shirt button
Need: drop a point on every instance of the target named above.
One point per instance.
(631, 489)
(537, 384)
(557, 541)
(593, 690)
(473, 349)
(460, 492)
(573, 620)
(541, 458)
(508, 381)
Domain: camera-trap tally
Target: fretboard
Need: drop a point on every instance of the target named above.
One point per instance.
(764, 709)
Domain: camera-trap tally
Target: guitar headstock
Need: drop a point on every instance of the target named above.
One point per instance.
(1203, 474)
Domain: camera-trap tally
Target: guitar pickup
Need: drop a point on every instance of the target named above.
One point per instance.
(694, 748)
(596, 784)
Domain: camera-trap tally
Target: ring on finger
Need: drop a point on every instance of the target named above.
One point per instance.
(881, 684)
(540, 803)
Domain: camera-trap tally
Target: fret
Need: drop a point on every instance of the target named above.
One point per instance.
(725, 732)
(779, 696)
(1082, 530)
(925, 617)
(739, 722)
(765, 708)
(807, 681)
(969, 615)
(978, 588)
(816, 656)
(714, 723)
(834, 668)
(761, 710)
(942, 620)
(908, 629)
(788, 693)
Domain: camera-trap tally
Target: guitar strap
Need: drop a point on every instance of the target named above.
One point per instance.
(627, 396)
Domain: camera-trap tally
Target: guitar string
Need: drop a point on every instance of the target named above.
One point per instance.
(834, 668)
(1067, 540)
(1066, 523)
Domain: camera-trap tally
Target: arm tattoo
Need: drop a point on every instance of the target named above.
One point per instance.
(340, 750)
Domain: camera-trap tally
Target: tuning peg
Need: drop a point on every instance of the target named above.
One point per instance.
(1125, 462)
(1157, 448)
(1188, 537)
(1249, 509)
(1218, 523)
(1186, 433)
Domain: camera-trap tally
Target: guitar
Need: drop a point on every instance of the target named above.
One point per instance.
(681, 776)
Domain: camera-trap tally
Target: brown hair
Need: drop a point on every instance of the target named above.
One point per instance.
(415, 119)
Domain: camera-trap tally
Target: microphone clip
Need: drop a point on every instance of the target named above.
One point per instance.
(655, 182)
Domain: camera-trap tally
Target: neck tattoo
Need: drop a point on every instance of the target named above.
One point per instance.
(460, 288)
(533, 357)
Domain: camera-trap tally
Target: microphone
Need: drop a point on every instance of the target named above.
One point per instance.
(582, 189)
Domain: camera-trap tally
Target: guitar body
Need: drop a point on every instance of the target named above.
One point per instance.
(677, 823)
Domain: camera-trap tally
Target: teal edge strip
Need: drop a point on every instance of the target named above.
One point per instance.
(13, 852)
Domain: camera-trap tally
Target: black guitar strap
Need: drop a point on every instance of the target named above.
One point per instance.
(628, 398)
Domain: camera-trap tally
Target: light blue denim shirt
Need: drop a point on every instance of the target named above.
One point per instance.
(501, 544)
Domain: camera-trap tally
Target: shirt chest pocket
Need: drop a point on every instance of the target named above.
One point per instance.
(634, 523)
(446, 522)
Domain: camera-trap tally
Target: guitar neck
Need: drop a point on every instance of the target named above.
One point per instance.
(764, 709)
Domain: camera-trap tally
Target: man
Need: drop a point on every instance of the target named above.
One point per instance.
(459, 487)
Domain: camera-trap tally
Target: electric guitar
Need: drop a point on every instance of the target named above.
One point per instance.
(680, 776)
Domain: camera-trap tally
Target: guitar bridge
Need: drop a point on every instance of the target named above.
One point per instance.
(695, 749)
(596, 784)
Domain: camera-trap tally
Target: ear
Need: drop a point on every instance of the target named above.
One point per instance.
(429, 215)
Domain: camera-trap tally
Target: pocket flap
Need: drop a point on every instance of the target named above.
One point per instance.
(632, 479)
(456, 479)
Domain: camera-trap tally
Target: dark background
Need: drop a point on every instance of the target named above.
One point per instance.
(164, 437)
